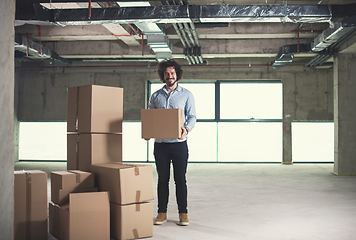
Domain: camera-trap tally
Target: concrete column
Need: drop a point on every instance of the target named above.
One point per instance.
(345, 114)
(287, 141)
(289, 113)
(7, 17)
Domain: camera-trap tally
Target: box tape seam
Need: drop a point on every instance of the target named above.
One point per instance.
(135, 233)
(138, 196)
(77, 176)
(28, 207)
(77, 112)
(77, 153)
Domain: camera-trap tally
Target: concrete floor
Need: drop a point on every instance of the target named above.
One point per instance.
(258, 201)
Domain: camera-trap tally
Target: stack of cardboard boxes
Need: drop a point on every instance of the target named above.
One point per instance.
(94, 125)
(99, 196)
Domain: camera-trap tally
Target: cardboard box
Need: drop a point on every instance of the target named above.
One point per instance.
(131, 221)
(30, 205)
(87, 216)
(73, 181)
(162, 123)
(85, 149)
(95, 109)
(127, 183)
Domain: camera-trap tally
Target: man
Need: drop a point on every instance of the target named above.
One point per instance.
(171, 95)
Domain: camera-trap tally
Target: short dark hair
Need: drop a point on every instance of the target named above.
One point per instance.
(162, 66)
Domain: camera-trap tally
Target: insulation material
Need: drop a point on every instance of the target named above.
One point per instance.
(265, 13)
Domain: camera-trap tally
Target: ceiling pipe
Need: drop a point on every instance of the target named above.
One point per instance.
(181, 40)
(329, 41)
(187, 43)
(38, 51)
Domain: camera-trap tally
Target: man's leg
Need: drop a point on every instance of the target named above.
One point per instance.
(180, 161)
(162, 160)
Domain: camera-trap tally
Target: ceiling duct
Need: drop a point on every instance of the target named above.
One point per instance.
(157, 40)
(330, 36)
(160, 46)
(181, 14)
(37, 51)
(265, 13)
(286, 54)
(328, 42)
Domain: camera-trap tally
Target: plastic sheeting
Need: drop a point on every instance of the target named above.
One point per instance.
(126, 15)
(265, 13)
(183, 14)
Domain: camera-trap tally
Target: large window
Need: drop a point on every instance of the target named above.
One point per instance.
(238, 121)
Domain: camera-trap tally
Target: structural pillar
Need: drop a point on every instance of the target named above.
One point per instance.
(345, 114)
(287, 141)
(7, 18)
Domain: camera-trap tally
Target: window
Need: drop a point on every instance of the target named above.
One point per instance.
(134, 148)
(250, 142)
(43, 141)
(313, 142)
(204, 96)
(237, 122)
(251, 100)
(241, 123)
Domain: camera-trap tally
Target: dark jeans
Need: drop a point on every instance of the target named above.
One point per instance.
(177, 153)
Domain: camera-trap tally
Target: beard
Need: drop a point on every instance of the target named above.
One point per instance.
(169, 84)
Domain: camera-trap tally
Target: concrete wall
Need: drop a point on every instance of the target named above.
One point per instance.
(7, 17)
(307, 93)
(43, 93)
(345, 114)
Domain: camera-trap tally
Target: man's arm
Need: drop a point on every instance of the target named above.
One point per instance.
(190, 113)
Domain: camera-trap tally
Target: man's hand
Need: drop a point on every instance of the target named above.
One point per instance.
(184, 133)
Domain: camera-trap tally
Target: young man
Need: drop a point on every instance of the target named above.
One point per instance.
(171, 95)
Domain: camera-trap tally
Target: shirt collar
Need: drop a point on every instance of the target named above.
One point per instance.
(178, 88)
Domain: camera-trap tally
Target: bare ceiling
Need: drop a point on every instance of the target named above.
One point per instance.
(261, 38)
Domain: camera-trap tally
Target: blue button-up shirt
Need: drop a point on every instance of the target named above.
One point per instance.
(178, 98)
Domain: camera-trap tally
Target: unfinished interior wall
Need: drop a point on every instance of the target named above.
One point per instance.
(7, 17)
(307, 93)
(345, 114)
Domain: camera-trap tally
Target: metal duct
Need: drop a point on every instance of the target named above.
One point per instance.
(38, 51)
(329, 40)
(330, 36)
(156, 38)
(61, 1)
(182, 14)
(286, 54)
(265, 13)
(150, 14)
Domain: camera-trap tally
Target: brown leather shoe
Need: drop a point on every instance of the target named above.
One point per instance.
(160, 219)
(183, 219)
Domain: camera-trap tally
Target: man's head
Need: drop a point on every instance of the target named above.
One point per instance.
(164, 70)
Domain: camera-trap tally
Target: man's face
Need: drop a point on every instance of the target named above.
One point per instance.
(170, 76)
